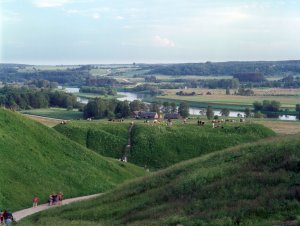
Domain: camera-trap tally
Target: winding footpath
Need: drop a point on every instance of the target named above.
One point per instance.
(19, 215)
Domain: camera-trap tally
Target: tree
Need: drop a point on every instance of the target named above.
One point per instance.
(257, 106)
(173, 107)
(183, 109)
(209, 112)
(225, 112)
(166, 107)
(155, 107)
(298, 108)
(122, 109)
(247, 112)
(227, 91)
(135, 105)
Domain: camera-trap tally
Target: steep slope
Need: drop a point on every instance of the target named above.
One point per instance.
(253, 184)
(159, 146)
(37, 160)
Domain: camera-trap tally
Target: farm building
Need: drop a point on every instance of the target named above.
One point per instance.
(172, 116)
(145, 115)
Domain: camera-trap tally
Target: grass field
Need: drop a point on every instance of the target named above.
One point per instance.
(57, 113)
(280, 127)
(254, 184)
(37, 160)
(50, 122)
(160, 146)
(218, 98)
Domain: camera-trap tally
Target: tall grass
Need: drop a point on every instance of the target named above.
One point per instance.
(36, 160)
(253, 184)
(160, 146)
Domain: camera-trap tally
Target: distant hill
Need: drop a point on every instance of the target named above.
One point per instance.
(37, 160)
(229, 68)
(253, 184)
(160, 146)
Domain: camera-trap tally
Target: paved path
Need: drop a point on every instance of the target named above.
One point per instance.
(26, 212)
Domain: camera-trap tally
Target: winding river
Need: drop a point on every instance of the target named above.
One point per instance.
(129, 96)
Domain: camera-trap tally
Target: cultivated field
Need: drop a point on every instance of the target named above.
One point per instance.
(288, 98)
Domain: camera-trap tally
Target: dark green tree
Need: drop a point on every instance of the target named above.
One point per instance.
(225, 112)
(247, 112)
(184, 109)
(209, 112)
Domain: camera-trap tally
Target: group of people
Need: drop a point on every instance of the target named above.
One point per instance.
(6, 217)
(55, 199)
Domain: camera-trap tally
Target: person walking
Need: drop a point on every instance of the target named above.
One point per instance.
(8, 218)
(1, 216)
(35, 202)
(50, 200)
(60, 198)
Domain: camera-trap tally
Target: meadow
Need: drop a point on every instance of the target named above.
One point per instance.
(57, 113)
(219, 99)
(159, 146)
(37, 160)
(252, 184)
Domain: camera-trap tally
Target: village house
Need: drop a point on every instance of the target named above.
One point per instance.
(145, 115)
(172, 116)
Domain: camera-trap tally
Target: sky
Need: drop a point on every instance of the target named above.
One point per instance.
(148, 31)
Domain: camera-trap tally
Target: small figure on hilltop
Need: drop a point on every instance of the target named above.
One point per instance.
(60, 198)
(1, 217)
(50, 200)
(54, 198)
(8, 218)
(35, 202)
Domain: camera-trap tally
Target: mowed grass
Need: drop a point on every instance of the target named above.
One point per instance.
(57, 113)
(280, 127)
(50, 122)
(36, 160)
(254, 184)
(159, 146)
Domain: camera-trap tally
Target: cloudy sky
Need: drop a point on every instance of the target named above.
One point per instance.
(148, 31)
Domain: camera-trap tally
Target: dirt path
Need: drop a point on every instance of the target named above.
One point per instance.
(128, 146)
(18, 215)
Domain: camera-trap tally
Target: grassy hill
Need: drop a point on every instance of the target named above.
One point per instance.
(252, 184)
(160, 146)
(36, 160)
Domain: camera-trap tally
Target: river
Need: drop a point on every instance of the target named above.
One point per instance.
(129, 96)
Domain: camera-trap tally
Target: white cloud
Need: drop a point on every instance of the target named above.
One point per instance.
(94, 13)
(10, 16)
(165, 42)
(119, 18)
(96, 16)
(50, 3)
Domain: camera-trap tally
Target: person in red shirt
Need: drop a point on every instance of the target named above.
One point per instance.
(35, 201)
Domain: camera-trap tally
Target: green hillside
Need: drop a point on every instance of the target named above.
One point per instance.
(36, 160)
(252, 184)
(160, 146)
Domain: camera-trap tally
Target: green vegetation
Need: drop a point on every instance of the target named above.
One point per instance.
(37, 160)
(105, 138)
(59, 113)
(160, 146)
(27, 98)
(254, 184)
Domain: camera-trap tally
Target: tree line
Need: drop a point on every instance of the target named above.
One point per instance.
(98, 90)
(229, 68)
(111, 108)
(27, 98)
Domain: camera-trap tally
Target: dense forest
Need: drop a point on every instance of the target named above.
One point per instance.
(229, 68)
(26, 98)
